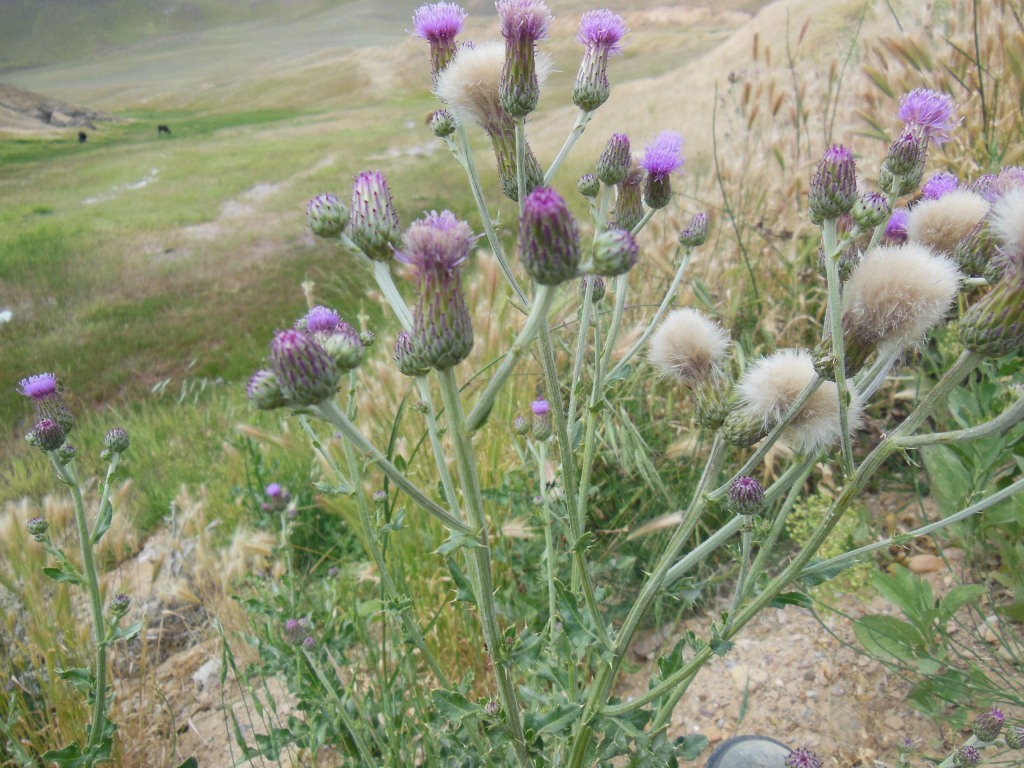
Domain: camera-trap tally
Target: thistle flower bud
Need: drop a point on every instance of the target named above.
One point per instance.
(994, 325)
(520, 426)
(903, 166)
(405, 358)
(442, 123)
(802, 758)
(278, 498)
(37, 528)
(436, 246)
(870, 210)
(615, 252)
(589, 185)
(66, 453)
(614, 163)
(327, 215)
(987, 725)
(966, 756)
(833, 190)
(600, 33)
(746, 496)
(304, 371)
(264, 392)
(118, 605)
(117, 440)
(662, 157)
(380, 498)
(296, 630)
(368, 338)
(541, 425)
(345, 347)
(549, 241)
(696, 231)
(629, 207)
(308, 643)
(439, 23)
(598, 291)
(523, 23)
(492, 708)
(47, 435)
(1014, 737)
(373, 218)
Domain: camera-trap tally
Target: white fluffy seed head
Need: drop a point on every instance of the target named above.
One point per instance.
(1007, 224)
(688, 346)
(941, 224)
(897, 294)
(469, 84)
(772, 384)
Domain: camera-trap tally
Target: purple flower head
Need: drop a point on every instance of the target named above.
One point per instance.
(967, 755)
(600, 33)
(437, 241)
(439, 23)
(540, 407)
(274, 490)
(896, 229)
(993, 186)
(442, 333)
(988, 724)
(746, 496)
(319, 320)
(929, 114)
(549, 241)
(540, 427)
(47, 435)
(802, 758)
(39, 387)
(663, 155)
(373, 218)
(524, 20)
(941, 183)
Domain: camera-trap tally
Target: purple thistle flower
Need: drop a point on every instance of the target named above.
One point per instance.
(304, 371)
(523, 23)
(896, 229)
(39, 387)
(802, 758)
(967, 755)
(992, 186)
(941, 183)
(439, 23)
(436, 246)
(746, 496)
(541, 425)
(600, 33)
(833, 190)
(47, 435)
(373, 217)
(549, 240)
(988, 724)
(540, 407)
(319, 320)
(928, 114)
(662, 157)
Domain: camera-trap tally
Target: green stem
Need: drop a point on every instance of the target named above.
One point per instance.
(577, 130)
(662, 309)
(480, 559)
(549, 544)
(329, 411)
(365, 754)
(845, 560)
(699, 553)
(485, 216)
(621, 289)
(382, 274)
(835, 317)
(537, 317)
(1000, 423)
(581, 347)
(67, 475)
(520, 123)
(741, 580)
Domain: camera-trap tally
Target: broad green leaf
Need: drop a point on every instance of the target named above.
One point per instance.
(951, 483)
(65, 574)
(885, 637)
(692, 745)
(80, 677)
(453, 705)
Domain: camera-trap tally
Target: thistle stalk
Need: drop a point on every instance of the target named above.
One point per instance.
(835, 317)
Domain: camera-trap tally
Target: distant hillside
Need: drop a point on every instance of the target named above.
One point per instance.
(40, 32)
(24, 112)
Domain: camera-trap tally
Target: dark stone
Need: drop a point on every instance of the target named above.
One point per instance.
(749, 752)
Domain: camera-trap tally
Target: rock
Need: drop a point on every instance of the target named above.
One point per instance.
(894, 723)
(747, 679)
(925, 564)
(202, 676)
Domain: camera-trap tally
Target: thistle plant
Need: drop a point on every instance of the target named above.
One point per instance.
(54, 424)
(551, 695)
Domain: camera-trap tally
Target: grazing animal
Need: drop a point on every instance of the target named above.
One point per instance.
(82, 137)
(163, 129)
